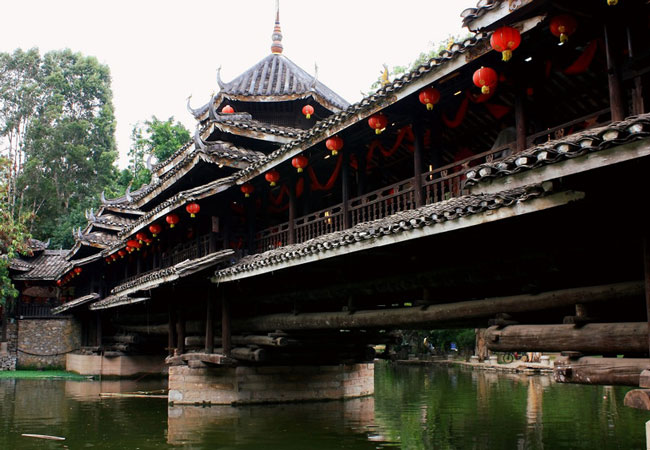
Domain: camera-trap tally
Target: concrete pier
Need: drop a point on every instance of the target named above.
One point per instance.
(269, 384)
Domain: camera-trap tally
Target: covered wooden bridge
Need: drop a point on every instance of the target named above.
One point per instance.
(451, 197)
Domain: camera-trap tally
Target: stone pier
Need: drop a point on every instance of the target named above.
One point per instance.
(269, 384)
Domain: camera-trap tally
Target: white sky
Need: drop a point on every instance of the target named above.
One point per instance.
(160, 52)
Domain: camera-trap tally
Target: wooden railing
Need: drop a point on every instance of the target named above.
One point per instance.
(382, 202)
(272, 237)
(188, 250)
(33, 310)
(319, 223)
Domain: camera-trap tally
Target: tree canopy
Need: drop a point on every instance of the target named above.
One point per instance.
(57, 127)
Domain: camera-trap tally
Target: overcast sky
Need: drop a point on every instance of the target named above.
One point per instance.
(160, 52)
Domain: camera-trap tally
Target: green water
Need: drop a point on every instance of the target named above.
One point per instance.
(413, 408)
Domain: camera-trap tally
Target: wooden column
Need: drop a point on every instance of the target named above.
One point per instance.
(638, 106)
(646, 264)
(417, 164)
(180, 332)
(209, 325)
(615, 90)
(98, 328)
(249, 204)
(361, 173)
(226, 336)
(345, 187)
(292, 210)
(520, 120)
(170, 329)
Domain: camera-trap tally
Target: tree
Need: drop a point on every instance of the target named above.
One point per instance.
(153, 138)
(14, 239)
(21, 92)
(69, 144)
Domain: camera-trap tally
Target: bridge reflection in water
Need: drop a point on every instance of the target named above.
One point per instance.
(413, 408)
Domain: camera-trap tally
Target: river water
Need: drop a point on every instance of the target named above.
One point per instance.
(413, 408)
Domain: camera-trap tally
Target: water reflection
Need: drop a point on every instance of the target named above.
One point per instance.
(413, 408)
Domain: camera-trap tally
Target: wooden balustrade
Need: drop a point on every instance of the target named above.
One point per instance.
(319, 223)
(273, 237)
(382, 202)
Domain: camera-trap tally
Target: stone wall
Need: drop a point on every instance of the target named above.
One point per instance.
(8, 358)
(119, 366)
(44, 343)
(269, 384)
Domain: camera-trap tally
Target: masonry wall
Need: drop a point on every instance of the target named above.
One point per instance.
(8, 359)
(269, 384)
(44, 343)
(119, 366)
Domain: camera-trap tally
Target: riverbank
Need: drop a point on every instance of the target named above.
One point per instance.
(42, 374)
(529, 368)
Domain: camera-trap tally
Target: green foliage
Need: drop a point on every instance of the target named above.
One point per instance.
(56, 112)
(152, 138)
(423, 58)
(14, 237)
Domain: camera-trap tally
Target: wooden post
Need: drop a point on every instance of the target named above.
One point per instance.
(646, 267)
(209, 330)
(361, 173)
(520, 120)
(345, 188)
(615, 91)
(417, 164)
(226, 338)
(180, 331)
(98, 329)
(5, 313)
(250, 213)
(170, 329)
(638, 106)
(292, 210)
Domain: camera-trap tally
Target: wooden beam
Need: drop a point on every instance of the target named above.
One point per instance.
(225, 327)
(415, 317)
(266, 341)
(638, 398)
(591, 370)
(595, 338)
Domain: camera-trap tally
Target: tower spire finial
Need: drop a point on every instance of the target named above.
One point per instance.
(276, 46)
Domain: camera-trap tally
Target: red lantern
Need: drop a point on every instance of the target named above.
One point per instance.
(485, 78)
(300, 162)
(272, 176)
(122, 253)
(378, 122)
(148, 241)
(77, 270)
(247, 189)
(192, 208)
(108, 260)
(227, 109)
(308, 110)
(429, 96)
(141, 236)
(172, 219)
(505, 40)
(155, 229)
(563, 26)
(334, 144)
(114, 256)
(133, 244)
(59, 282)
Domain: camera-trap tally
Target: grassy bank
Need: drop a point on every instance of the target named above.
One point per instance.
(32, 374)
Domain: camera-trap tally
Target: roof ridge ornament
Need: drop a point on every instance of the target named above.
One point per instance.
(219, 81)
(198, 140)
(276, 46)
(194, 112)
(127, 194)
(103, 198)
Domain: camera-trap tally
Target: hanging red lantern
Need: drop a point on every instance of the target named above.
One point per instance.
(485, 78)
(308, 110)
(141, 236)
(59, 282)
(247, 189)
(429, 97)
(563, 26)
(272, 176)
(114, 256)
(148, 241)
(334, 144)
(227, 109)
(122, 253)
(193, 209)
(134, 244)
(378, 122)
(77, 270)
(505, 40)
(300, 162)
(155, 229)
(172, 219)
